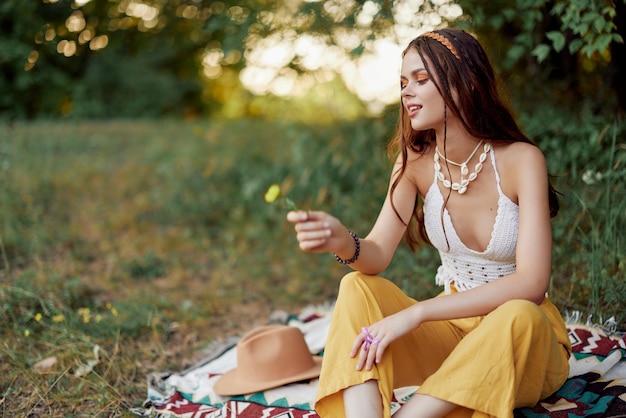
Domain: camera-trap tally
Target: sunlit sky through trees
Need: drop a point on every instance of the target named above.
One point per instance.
(372, 75)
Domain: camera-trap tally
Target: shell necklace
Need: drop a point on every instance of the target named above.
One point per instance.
(461, 187)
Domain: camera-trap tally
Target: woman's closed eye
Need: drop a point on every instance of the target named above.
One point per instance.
(420, 80)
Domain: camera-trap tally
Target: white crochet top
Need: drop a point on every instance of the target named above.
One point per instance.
(461, 266)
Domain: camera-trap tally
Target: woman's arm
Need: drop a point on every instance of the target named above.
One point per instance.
(320, 232)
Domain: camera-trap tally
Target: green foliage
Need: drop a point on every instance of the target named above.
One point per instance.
(21, 91)
(565, 52)
(142, 71)
(584, 134)
(152, 63)
(583, 25)
(599, 269)
(589, 269)
(116, 84)
(591, 23)
(147, 267)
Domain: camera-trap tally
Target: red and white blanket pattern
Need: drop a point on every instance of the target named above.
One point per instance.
(596, 387)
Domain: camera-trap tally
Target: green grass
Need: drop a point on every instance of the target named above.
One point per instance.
(149, 239)
(592, 252)
(163, 224)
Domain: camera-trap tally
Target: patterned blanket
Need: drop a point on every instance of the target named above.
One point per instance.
(596, 387)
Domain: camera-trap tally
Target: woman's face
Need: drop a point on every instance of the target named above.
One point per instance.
(420, 97)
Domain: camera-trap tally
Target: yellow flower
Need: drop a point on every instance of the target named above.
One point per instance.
(26, 333)
(38, 316)
(58, 318)
(272, 193)
(85, 314)
(114, 311)
(98, 318)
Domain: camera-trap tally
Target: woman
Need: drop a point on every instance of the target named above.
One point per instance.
(492, 341)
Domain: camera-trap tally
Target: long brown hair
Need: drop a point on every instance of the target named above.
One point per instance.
(459, 64)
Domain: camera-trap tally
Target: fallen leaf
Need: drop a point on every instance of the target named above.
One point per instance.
(45, 365)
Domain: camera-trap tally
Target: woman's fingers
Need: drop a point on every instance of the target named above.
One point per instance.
(295, 216)
(316, 233)
(312, 235)
(377, 351)
(309, 226)
(367, 356)
(356, 345)
(312, 228)
(315, 244)
(368, 348)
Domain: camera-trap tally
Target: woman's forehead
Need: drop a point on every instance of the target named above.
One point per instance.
(411, 62)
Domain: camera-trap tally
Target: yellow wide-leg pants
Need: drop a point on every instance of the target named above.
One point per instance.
(489, 365)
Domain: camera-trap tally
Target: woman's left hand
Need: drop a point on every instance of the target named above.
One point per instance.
(371, 343)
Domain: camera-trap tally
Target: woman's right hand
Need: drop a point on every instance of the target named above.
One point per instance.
(319, 232)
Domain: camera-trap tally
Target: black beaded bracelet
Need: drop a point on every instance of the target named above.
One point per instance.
(356, 251)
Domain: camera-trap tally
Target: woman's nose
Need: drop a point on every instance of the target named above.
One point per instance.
(407, 91)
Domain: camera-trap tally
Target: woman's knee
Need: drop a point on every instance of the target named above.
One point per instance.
(351, 281)
(356, 286)
(523, 313)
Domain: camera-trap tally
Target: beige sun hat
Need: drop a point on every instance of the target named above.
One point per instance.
(268, 357)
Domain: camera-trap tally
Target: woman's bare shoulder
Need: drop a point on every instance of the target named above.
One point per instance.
(516, 150)
(420, 168)
(520, 165)
(517, 155)
(415, 161)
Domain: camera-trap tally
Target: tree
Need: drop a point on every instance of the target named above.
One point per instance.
(149, 57)
(101, 57)
(22, 92)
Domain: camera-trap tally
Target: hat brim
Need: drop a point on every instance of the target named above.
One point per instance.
(232, 383)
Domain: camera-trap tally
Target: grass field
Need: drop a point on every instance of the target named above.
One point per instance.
(127, 246)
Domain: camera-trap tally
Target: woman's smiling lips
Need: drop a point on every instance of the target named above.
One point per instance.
(413, 109)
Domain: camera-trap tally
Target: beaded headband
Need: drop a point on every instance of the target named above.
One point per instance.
(443, 41)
